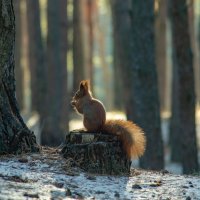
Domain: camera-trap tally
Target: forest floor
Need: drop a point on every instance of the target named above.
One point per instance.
(48, 175)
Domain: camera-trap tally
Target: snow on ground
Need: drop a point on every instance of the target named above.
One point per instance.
(49, 176)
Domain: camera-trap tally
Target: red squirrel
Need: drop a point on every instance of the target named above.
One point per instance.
(94, 120)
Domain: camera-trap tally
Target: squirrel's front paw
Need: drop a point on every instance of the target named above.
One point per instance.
(73, 103)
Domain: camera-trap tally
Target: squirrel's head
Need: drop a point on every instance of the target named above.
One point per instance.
(84, 90)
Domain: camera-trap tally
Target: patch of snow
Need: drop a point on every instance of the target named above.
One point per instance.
(44, 176)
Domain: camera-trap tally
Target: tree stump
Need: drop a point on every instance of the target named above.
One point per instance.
(96, 152)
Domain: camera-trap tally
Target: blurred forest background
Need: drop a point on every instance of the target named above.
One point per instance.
(141, 57)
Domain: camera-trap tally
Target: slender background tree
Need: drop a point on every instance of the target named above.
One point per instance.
(56, 121)
(161, 52)
(18, 53)
(122, 35)
(79, 55)
(37, 63)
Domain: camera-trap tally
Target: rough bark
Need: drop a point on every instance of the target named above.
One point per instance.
(96, 153)
(36, 58)
(56, 121)
(18, 55)
(146, 109)
(15, 137)
(186, 94)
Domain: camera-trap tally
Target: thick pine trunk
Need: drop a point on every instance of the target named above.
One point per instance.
(186, 94)
(14, 135)
(146, 109)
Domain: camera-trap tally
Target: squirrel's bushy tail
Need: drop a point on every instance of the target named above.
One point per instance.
(132, 136)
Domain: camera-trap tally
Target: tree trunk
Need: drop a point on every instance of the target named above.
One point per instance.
(56, 122)
(36, 58)
(78, 43)
(15, 137)
(175, 125)
(90, 8)
(64, 101)
(106, 75)
(25, 64)
(198, 57)
(161, 54)
(194, 46)
(18, 55)
(146, 109)
(123, 47)
(186, 94)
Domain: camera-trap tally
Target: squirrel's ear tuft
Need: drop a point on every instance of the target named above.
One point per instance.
(81, 86)
(87, 84)
(84, 85)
